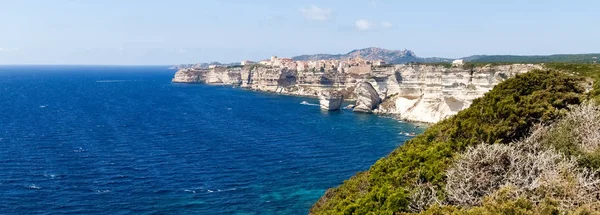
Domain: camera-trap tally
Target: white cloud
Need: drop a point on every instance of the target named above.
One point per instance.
(10, 50)
(386, 24)
(363, 25)
(373, 3)
(316, 13)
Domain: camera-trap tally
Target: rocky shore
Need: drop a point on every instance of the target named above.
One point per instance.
(420, 93)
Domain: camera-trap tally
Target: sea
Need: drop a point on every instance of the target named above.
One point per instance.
(125, 140)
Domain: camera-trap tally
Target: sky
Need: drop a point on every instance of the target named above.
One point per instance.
(161, 32)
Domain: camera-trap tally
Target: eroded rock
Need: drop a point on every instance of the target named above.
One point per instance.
(331, 100)
(367, 98)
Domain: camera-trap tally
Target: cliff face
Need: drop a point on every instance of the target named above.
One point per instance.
(423, 93)
(374, 53)
(430, 94)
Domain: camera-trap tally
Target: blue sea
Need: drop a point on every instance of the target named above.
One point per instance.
(125, 140)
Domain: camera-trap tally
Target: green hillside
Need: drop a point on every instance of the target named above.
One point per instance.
(562, 58)
(414, 177)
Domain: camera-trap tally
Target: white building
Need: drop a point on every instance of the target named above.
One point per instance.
(246, 62)
(458, 62)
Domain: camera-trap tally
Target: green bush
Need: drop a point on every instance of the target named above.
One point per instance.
(591, 71)
(504, 114)
(564, 58)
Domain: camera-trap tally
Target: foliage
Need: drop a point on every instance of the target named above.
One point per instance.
(503, 115)
(234, 66)
(252, 67)
(586, 70)
(564, 58)
(446, 65)
(591, 71)
(577, 134)
(472, 65)
(527, 168)
(503, 202)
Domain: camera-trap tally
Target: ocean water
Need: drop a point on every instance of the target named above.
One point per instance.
(125, 140)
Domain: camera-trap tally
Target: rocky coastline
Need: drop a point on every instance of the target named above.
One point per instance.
(417, 93)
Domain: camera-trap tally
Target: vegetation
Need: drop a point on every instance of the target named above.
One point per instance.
(564, 58)
(577, 135)
(586, 70)
(527, 169)
(547, 173)
(234, 66)
(591, 71)
(255, 66)
(442, 64)
(414, 176)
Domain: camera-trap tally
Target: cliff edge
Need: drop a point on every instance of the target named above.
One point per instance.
(422, 93)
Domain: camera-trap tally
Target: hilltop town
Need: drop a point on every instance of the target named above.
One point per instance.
(378, 56)
(359, 57)
(350, 65)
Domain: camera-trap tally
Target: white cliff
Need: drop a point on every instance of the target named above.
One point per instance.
(430, 94)
(367, 98)
(331, 100)
(423, 93)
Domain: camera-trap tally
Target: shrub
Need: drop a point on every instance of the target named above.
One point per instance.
(503, 115)
(578, 135)
(528, 170)
(532, 169)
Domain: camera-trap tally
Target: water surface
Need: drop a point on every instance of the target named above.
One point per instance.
(124, 140)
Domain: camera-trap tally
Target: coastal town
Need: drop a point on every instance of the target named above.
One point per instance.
(356, 65)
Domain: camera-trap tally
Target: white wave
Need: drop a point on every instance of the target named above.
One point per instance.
(51, 176)
(110, 81)
(102, 191)
(307, 103)
(33, 186)
(43, 106)
(190, 191)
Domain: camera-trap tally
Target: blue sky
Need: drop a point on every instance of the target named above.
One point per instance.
(139, 32)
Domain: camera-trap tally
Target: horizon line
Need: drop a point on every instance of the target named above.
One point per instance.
(177, 64)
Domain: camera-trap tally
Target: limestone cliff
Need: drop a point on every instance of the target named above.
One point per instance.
(424, 93)
(367, 98)
(331, 100)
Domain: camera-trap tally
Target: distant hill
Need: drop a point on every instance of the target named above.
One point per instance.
(374, 53)
(559, 58)
(408, 56)
(202, 65)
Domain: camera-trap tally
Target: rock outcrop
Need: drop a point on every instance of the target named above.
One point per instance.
(367, 98)
(424, 93)
(331, 100)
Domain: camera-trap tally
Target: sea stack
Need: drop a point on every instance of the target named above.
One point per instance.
(331, 100)
(367, 98)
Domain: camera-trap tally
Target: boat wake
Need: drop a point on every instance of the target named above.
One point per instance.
(307, 103)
